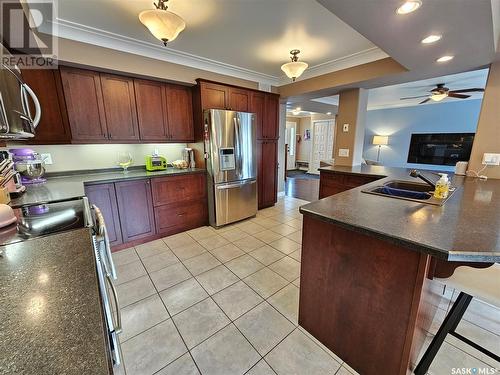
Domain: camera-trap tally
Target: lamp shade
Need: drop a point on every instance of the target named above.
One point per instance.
(164, 25)
(294, 69)
(380, 140)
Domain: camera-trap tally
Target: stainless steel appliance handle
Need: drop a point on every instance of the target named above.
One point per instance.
(237, 145)
(3, 116)
(237, 185)
(118, 323)
(102, 234)
(36, 102)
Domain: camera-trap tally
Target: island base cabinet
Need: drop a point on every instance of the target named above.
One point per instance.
(361, 296)
(135, 206)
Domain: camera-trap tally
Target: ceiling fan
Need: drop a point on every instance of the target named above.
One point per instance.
(441, 92)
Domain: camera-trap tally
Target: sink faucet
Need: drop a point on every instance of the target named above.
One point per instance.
(417, 174)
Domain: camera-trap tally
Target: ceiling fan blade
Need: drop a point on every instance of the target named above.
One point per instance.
(459, 96)
(424, 101)
(468, 90)
(414, 97)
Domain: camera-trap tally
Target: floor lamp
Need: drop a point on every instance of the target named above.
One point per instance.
(380, 140)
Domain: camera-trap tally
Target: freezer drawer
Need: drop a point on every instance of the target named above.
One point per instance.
(234, 201)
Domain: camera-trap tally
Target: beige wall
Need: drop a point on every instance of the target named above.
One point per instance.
(352, 111)
(81, 157)
(487, 137)
(87, 54)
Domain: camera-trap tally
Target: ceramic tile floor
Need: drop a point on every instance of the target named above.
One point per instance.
(226, 302)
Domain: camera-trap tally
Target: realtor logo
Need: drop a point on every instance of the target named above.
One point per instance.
(28, 31)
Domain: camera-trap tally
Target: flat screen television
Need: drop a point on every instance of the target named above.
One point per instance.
(440, 148)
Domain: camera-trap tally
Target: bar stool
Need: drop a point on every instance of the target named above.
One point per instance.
(483, 283)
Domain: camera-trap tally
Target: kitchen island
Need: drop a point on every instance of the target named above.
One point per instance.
(368, 261)
(51, 316)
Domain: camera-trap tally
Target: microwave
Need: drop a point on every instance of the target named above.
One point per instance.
(16, 119)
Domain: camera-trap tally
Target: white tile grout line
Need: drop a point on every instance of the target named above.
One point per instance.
(210, 296)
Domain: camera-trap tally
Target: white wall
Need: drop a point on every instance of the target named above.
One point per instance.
(81, 157)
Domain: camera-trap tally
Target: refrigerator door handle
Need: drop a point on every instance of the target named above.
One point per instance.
(237, 145)
(237, 185)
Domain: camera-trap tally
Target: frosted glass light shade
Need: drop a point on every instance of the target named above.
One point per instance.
(164, 25)
(294, 69)
(380, 140)
(438, 97)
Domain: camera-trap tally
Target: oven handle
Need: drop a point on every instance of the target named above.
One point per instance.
(118, 323)
(102, 234)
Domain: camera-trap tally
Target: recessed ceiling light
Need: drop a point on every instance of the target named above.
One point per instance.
(328, 113)
(298, 109)
(431, 39)
(445, 58)
(409, 6)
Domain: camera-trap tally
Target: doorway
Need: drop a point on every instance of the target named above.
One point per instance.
(291, 145)
(323, 138)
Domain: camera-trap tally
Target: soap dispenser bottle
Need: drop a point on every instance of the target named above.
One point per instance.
(442, 187)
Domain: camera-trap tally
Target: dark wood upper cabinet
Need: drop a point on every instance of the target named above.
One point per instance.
(84, 104)
(257, 106)
(214, 96)
(239, 100)
(104, 197)
(54, 124)
(267, 172)
(135, 208)
(179, 110)
(151, 111)
(119, 107)
(270, 125)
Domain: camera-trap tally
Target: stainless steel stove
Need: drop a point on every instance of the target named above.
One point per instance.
(45, 219)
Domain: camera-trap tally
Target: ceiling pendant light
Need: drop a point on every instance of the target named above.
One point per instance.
(163, 24)
(295, 68)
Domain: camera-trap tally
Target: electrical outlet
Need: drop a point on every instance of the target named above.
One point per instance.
(344, 152)
(345, 128)
(491, 159)
(47, 158)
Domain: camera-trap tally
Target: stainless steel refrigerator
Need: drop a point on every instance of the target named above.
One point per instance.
(230, 152)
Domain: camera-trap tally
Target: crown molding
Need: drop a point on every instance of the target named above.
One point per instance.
(82, 33)
(358, 58)
(86, 34)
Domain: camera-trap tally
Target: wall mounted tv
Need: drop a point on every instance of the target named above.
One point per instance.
(440, 148)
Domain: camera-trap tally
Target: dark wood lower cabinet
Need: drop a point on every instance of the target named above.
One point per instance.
(135, 206)
(135, 215)
(267, 172)
(178, 217)
(104, 197)
(332, 183)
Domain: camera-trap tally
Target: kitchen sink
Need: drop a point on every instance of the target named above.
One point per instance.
(408, 190)
(410, 186)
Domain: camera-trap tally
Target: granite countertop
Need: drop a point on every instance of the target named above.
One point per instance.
(465, 228)
(59, 188)
(51, 320)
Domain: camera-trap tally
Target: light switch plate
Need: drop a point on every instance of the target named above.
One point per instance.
(345, 128)
(47, 158)
(491, 159)
(344, 152)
